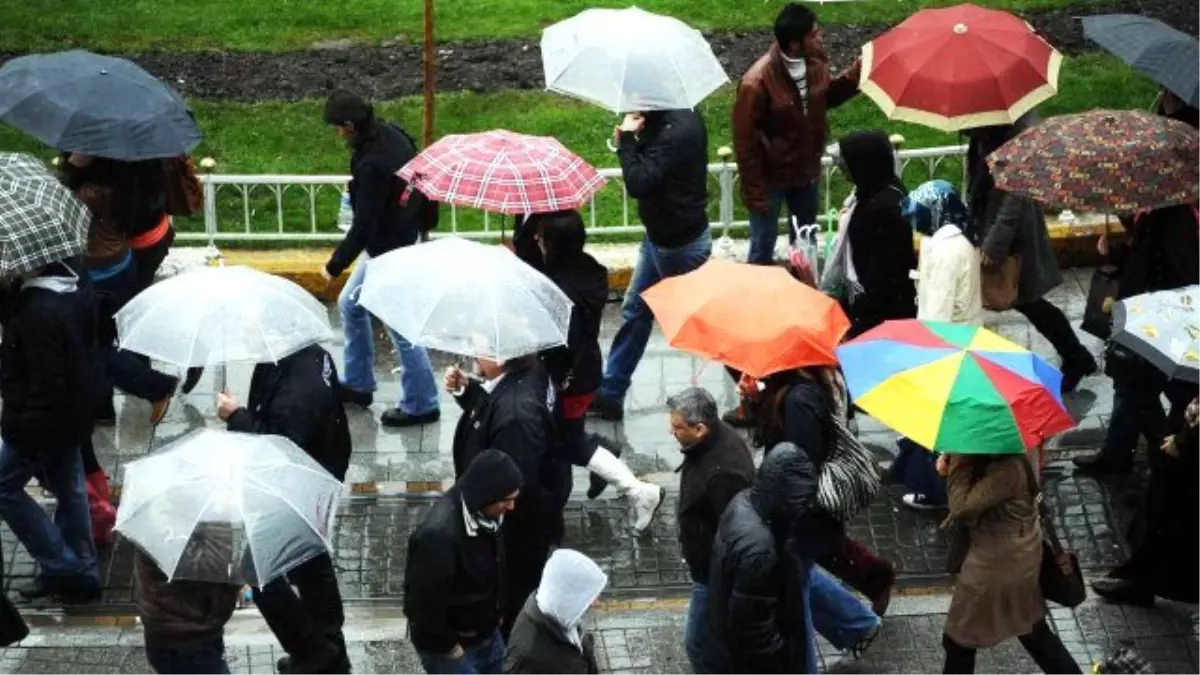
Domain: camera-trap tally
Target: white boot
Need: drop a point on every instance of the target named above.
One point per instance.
(646, 497)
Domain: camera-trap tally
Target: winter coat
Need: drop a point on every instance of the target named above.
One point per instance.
(778, 142)
(1011, 224)
(576, 368)
(179, 614)
(298, 398)
(1161, 252)
(880, 237)
(47, 362)
(948, 279)
(381, 222)
(761, 552)
(996, 595)
(548, 636)
(713, 472)
(665, 168)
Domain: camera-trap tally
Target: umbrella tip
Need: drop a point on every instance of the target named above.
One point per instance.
(960, 29)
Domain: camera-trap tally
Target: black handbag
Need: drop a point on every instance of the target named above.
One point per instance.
(1060, 578)
(1097, 318)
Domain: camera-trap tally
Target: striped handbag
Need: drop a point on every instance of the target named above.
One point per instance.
(849, 479)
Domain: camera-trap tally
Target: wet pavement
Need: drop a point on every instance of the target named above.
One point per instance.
(388, 466)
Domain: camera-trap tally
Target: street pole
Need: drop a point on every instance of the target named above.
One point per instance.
(430, 73)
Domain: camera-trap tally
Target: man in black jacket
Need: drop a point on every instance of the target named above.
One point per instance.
(298, 398)
(664, 162)
(454, 577)
(716, 466)
(46, 383)
(387, 216)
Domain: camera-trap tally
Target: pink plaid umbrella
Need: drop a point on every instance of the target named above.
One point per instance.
(503, 172)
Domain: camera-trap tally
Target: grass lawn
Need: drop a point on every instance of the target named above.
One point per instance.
(290, 137)
(276, 25)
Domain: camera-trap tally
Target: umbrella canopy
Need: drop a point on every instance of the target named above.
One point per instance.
(41, 222)
(1163, 328)
(955, 388)
(757, 319)
(503, 172)
(96, 105)
(466, 298)
(958, 68)
(1104, 161)
(629, 60)
(218, 315)
(224, 507)
(1168, 56)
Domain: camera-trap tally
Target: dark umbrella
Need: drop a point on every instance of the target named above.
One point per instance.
(96, 105)
(1170, 57)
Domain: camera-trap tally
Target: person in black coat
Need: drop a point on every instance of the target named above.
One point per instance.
(298, 398)
(763, 549)
(511, 411)
(880, 238)
(47, 370)
(454, 579)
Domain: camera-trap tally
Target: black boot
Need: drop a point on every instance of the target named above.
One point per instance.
(597, 485)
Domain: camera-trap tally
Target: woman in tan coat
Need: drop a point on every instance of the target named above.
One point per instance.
(996, 595)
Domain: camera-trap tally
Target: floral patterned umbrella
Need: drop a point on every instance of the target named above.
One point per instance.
(1162, 328)
(1103, 161)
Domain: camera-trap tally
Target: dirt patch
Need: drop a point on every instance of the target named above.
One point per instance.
(393, 70)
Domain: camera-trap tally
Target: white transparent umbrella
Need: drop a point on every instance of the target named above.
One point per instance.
(218, 315)
(466, 298)
(225, 507)
(630, 60)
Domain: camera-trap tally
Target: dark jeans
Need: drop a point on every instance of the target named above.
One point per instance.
(203, 658)
(695, 629)
(309, 623)
(485, 657)
(802, 203)
(1042, 644)
(1055, 327)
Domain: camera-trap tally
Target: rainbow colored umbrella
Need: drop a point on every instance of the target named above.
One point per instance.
(955, 388)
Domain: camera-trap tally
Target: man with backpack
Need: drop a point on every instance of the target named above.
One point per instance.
(387, 216)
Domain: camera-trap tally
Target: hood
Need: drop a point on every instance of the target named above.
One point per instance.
(785, 487)
(571, 582)
(491, 476)
(869, 161)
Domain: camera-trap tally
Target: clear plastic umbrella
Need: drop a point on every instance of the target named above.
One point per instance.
(218, 315)
(466, 298)
(225, 507)
(630, 60)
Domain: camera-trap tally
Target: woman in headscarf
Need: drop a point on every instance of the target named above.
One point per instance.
(1013, 224)
(948, 289)
(879, 255)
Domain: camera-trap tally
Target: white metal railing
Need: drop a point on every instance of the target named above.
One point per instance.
(217, 213)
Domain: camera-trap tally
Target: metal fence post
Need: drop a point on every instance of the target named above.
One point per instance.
(725, 183)
(210, 208)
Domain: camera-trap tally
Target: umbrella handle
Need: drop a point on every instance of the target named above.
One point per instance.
(611, 146)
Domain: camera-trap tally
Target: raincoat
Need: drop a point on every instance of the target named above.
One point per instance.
(548, 635)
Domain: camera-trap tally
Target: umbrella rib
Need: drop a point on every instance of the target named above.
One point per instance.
(192, 530)
(263, 487)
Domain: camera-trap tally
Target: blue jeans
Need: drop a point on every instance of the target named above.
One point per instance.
(802, 203)
(62, 547)
(836, 613)
(485, 657)
(695, 628)
(419, 390)
(206, 657)
(653, 265)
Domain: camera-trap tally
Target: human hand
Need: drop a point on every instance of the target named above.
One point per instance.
(455, 379)
(226, 404)
(854, 72)
(1192, 414)
(1169, 447)
(943, 465)
(325, 275)
(748, 387)
(456, 653)
(1102, 245)
(633, 123)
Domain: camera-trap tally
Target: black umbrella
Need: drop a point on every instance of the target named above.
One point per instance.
(1168, 56)
(96, 105)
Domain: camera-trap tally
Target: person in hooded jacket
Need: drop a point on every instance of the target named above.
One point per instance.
(879, 255)
(548, 636)
(298, 398)
(454, 578)
(511, 411)
(1013, 224)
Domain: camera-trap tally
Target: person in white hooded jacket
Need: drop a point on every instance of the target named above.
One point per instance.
(548, 636)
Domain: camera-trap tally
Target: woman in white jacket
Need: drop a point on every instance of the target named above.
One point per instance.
(948, 289)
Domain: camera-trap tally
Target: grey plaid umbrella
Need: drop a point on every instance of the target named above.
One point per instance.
(41, 222)
(1170, 57)
(96, 105)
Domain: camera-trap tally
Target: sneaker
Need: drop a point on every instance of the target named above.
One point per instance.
(646, 498)
(921, 502)
(1102, 462)
(607, 409)
(398, 419)
(1075, 370)
(359, 398)
(864, 644)
(67, 589)
(1123, 592)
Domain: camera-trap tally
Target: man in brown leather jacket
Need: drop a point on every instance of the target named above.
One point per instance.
(779, 129)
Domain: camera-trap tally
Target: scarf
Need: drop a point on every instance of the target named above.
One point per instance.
(935, 204)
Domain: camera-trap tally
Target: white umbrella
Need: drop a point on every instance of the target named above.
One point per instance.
(629, 60)
(225, 507)
(466, 298)
(219, 315)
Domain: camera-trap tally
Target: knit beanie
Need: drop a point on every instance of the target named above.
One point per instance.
(342, 107)
(490, 477)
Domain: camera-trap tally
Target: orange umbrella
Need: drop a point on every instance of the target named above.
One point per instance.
(757, 319)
